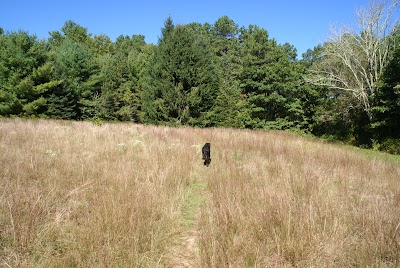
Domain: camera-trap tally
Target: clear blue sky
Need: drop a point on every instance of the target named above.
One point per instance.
(304, 24)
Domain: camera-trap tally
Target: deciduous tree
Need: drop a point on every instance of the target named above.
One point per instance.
(354, 60)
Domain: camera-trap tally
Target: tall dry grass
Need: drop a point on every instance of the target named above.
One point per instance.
(76, 194)
(279, 200)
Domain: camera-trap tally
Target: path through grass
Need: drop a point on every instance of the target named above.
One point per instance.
(74, 194)
(185, 250)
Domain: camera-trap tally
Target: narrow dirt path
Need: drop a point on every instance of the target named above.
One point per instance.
(185, 251)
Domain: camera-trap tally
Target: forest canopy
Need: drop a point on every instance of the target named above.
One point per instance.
(205, 75)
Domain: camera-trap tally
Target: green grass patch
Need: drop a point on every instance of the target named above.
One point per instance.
(194, 199)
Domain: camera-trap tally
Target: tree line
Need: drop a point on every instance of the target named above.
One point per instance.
(207, 75)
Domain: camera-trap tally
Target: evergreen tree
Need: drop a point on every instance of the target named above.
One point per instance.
(270, 79)
(21, 56)
(386, 101)
(75, 32)
(182, 83)
(74, 65)
(167, 29)
(229, 108)
(120, 73)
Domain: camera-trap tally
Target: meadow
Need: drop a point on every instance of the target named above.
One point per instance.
(79, 194)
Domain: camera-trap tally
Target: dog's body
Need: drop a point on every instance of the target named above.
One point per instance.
(206, 154)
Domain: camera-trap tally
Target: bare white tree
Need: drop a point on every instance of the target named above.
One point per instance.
(353, 60)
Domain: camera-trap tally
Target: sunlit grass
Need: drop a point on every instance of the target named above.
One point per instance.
(279, 200)
(80, 194)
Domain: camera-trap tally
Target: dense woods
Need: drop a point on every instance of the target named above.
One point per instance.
(219, 74)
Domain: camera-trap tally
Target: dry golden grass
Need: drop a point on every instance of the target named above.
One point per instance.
(284, 201)
(73, 194)
(76, 194)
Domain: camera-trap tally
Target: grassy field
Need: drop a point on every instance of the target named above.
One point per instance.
(76, 194)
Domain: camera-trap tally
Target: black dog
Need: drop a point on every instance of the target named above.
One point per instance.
(206, 154)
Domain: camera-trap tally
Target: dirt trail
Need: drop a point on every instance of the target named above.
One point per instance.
(185, 251)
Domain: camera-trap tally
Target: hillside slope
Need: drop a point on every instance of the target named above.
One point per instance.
(79, 194)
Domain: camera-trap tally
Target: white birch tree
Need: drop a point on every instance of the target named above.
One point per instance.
(353, 60)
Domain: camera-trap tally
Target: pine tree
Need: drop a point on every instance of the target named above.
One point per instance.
(21, 55)
(270, 79)
(182, 83)
(386, 101)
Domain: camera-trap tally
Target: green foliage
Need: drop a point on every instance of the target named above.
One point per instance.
(216, 74)
(36, 107)
(75, 32)
(97, 122)
(230, 105)
(386, 101)
(168, 28)
(21, 57)
(390, 145)
(121, 75)
(9, 103)
(271, 80)
(182, 83)
(73, 65)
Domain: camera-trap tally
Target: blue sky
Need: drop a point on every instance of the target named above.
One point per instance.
(303, 24)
